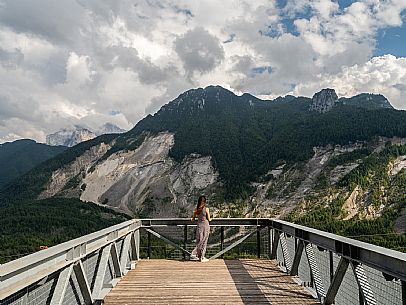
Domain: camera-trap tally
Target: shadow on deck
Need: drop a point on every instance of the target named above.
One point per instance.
(216, 282)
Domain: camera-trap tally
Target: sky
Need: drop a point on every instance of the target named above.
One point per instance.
(88, 62)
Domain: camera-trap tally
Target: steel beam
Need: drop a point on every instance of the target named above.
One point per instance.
(296, 259)
(336, 282)
(83, 283)
(61, 285)
(275, 243)
(184, 240)
(236, 243)
(116, 260)
(101, 272)
(269, 237)
(222, 240)
(168, 241)
(124, 253)
(216, 222)
(135, 245)
(258, 244)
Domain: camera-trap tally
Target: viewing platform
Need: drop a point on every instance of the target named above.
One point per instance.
(252, 261)
(227, 282)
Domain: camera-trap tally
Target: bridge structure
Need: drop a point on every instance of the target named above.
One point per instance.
(252, 261)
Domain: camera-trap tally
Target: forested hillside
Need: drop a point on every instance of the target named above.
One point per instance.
(18, 157)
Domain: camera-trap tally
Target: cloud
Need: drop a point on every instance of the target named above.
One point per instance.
(56, 21)
(78, 70)
(199, 51)
(88, 62)
(10, 60)
(385, 75)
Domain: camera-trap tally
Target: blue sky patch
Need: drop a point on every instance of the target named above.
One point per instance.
(114, 112)
(260, 70)
(392, 41)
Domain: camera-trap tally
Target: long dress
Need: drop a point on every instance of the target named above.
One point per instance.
(202, 234)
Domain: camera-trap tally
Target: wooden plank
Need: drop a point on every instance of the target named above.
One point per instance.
(239, 282)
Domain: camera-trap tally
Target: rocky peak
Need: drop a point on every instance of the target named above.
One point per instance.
(76, 134)
(109, 128)
(324, 100)
(70, 136)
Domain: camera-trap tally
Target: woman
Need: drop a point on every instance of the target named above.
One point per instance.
(203, 228)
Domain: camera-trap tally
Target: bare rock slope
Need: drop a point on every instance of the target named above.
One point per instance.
(143, 182)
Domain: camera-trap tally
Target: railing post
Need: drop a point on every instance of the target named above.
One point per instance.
(184, 240)
(269, 242)
(275, 241)
(258, 243)
(149, 244)
(403, 292)
(331, 261)
(222, 240)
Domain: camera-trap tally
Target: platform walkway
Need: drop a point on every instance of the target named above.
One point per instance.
(218, 281)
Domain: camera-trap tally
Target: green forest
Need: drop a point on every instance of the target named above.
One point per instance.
(31, 224)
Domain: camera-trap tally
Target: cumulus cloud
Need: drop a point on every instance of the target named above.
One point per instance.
(11, 59)
(88, 62)
(385, 75)
(199, 50)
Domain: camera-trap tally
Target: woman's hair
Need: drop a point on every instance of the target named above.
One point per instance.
(201, 202)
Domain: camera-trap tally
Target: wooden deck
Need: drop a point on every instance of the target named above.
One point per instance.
(216, 282)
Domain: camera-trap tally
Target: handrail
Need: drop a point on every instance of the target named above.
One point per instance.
(29, 269)
(383, 259)
(216, 222)
(70, 255)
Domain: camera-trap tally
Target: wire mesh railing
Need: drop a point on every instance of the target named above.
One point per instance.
(335, 269)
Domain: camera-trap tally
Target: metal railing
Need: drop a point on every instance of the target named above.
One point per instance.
(80, 271)
(337, 270)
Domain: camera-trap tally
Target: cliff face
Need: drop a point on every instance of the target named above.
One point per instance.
(142, 182)
(324, 100)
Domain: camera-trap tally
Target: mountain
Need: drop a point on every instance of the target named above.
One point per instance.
(326, 99)
(70, 136)
(367, 100)
(109, 128)
(77, 134)
(18, 157)
(255, 157)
